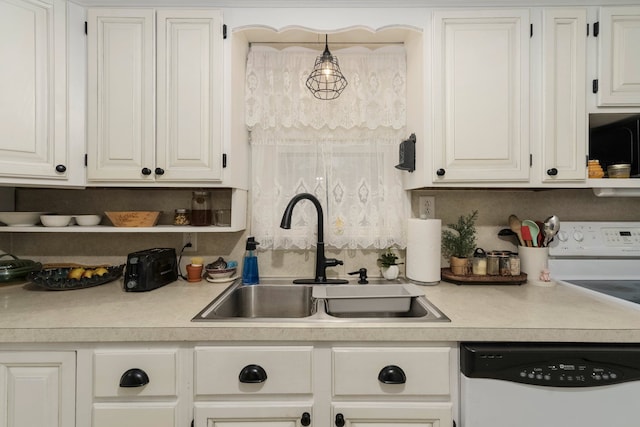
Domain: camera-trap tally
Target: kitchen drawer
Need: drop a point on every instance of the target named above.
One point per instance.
(159, 366)
(356, 371)
(288, 370)
(125, 415)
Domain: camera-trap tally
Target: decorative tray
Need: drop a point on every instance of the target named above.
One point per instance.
(447, 275)
(55, 277)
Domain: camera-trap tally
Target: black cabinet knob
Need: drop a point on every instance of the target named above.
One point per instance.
(552, 172)
(440, 172)
(61, 168)
(252, 374)
(159, 171)
(339, 420)
(392, 374)
(306, 419)
(146, 171)
(134, 378)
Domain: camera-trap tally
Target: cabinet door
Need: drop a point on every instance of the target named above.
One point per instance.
(37, 389)
(33, 86)
(619, 56)
(480, 95)
(564, 81)
(189, 93)
(121, 56)
(381, 414)
(253, 414)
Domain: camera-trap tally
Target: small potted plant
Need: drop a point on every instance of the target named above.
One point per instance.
(388, 264)
(459, 242)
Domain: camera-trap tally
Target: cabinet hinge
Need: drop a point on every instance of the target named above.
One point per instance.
(587, 30)
(224, 31)
(530, 30)
(594, 86)
(86, 160)
(224, 160)
(586, 160)
(530, 160)
(596, 29)
(86, 28)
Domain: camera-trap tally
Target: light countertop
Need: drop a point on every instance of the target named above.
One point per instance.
(478, 312)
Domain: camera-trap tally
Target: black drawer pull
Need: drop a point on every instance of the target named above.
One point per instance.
(339, 420)
(441, 172)
(252, 374)
(159, 171)
(392, 374)
(306, 419)
(552, 172)
(134, 378)
(146, 171)
(61, 168)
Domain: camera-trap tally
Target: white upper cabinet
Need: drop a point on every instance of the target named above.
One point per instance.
(141, 129)
(33, 104)
(619, 56)
(563, 95)
(480, 90)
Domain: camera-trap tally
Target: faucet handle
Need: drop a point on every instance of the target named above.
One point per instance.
(332, 262)
(362, 273)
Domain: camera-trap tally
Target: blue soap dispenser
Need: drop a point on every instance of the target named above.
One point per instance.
(250, 274)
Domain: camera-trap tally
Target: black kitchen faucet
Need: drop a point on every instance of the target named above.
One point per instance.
(321, 261)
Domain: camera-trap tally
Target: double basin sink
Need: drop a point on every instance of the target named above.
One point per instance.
(281, 301)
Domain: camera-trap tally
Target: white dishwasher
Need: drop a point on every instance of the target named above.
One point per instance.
(546, 384)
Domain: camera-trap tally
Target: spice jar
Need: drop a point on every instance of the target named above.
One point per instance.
(514, 264)
(479, 264)
(493, 263)
(201, 208)
(505, 268)
(181, 217)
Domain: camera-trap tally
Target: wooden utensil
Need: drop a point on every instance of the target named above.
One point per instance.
(516, 226)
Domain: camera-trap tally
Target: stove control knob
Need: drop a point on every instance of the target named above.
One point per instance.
(562, 236)
(578, 236)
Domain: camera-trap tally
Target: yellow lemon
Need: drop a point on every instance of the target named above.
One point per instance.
(75, 273)
(100, 271)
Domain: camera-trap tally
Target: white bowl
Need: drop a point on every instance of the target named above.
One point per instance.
(88, 220)
(20, 219)
(55, 220)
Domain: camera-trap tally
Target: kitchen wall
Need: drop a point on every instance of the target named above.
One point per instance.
(494, 207)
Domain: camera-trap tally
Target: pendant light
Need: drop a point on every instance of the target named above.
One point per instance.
(326, 80)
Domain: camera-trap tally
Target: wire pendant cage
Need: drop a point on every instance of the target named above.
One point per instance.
(326, 81)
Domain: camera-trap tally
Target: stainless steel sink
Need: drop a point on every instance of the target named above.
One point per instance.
(279, 300)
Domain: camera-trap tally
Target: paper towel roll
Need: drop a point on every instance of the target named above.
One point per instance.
(423, 250)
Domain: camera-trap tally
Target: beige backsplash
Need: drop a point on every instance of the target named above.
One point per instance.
(494, 207)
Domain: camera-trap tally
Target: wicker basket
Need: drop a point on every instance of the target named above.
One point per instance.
(134, 218)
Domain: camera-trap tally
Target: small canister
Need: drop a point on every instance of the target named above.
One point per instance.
(479, 265)
(201, 208)
(181, 217)
(514, 264)
(505, 268)
(493, 263)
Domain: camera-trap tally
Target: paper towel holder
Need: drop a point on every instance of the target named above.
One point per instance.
(407, 154)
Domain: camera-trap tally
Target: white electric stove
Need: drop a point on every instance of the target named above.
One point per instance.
(599, 257)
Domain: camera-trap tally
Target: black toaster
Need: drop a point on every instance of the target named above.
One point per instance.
(150, 269)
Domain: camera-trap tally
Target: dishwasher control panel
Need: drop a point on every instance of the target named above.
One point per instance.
(552, 364)
(567, 373)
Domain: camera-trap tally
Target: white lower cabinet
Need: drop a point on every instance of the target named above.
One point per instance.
(322, 385)
(37, 388)
(139, 387)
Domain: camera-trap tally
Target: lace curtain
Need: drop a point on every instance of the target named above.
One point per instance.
(342, 151)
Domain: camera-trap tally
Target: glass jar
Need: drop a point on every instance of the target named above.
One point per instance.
(479, 265)
(201, 208)
(514, 264)
(505, 268)
(181, 217)
(493, 264)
